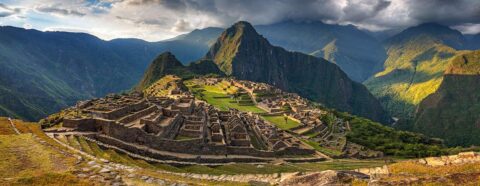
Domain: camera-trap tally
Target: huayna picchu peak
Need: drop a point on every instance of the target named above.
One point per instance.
(242, 53)
(167, 64)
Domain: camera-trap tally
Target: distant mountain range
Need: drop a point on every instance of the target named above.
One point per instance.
(42, 72)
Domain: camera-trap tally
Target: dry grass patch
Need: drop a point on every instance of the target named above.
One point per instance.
(424, 170)
(48, 179)
(22, 156)
(5, 128)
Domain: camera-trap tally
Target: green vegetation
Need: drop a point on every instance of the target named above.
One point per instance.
(392, 142)
(451, 113)
(218, 97)
(279, 121)
(326, 151)
(416, 61)
(405, 83)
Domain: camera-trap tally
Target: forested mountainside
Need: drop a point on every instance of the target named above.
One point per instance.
(417, 58)
(452, 112)
(241, 52)
(42, 72)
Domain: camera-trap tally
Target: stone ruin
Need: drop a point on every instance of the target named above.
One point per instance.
(179, 127)
(277, 102)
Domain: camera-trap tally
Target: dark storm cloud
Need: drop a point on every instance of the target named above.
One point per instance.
(364, 13)
(357, 11)
(449, 12)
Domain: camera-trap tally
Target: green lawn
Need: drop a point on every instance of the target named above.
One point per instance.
(211, 93)
(280, 122)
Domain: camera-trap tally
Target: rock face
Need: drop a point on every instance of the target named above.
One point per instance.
(451, 113)
(354, 51)
(328, 177)
(241, 52)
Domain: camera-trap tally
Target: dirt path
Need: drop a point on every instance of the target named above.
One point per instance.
(13, 126)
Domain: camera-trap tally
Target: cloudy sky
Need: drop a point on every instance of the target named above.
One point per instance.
(155, 20)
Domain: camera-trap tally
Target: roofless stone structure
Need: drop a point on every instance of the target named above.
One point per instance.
(181, 129)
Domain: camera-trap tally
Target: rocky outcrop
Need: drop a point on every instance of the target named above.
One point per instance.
(460, 158)
(241, 52)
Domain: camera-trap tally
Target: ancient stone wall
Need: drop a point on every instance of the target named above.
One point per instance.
(80, 124)
(118, 113)
(138, 115)
(172, 129)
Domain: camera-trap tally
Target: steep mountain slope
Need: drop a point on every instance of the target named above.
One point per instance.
(42, 72)
(167, 64)
(417, 58)
(354, 51)
(164, 64)
(452, 112)
(241, 52)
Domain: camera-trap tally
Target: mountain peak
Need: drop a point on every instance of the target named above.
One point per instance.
(164, 64)
(429, 33)
(244, 54)
(240, 37)
(241, 28)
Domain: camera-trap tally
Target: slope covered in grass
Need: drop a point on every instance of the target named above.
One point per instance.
(452, 112)
(416, 60)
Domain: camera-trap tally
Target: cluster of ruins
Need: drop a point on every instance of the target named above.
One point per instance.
(292, 106)
(180, 125)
